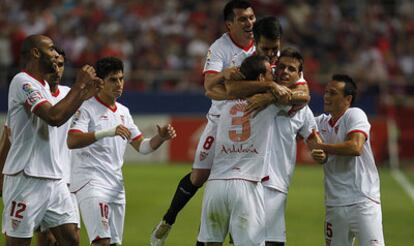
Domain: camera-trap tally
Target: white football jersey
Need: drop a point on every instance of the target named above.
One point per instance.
(33, 140)
(100, 163)
(65, 155)
(242, 142)
(349, 179)
(225, 53)
(283, 146)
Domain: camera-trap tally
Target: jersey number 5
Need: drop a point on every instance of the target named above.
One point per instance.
(243, 121)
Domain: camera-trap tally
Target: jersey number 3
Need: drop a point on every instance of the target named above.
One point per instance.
(243, 121)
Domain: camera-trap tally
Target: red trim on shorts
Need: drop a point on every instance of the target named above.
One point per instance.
(113, 109)
(31, 75)
(360, 131)
(74, 130)
(137, 137)
(39, 104)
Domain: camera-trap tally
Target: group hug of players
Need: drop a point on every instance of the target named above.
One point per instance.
(62, 148)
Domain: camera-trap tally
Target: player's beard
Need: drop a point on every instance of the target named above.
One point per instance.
(46, 63)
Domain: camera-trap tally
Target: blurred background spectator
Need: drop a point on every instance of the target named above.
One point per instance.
(163, 43)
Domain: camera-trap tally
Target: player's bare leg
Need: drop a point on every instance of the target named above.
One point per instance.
(66, 234)
(102, 242)
(45, 238)
(13, 241)
(186, 189)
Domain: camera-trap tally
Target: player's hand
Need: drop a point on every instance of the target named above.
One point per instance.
(319, 156)
(166, 132)
(257, 103)
(314, 140)
(92, 89)
(87, 82)
(281, 93)
(123, 132)
(232, 74)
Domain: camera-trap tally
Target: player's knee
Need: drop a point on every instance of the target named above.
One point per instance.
(72, 240)
(199, 176)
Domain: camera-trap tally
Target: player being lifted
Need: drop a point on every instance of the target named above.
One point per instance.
(225, 53)
(352, 186)
(234, 198)
(100, 132)
(34, 193)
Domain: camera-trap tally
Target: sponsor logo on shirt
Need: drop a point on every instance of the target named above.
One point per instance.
(27, 88)
(103, 117)
(123, 119)
(238, 149)
(33, 96)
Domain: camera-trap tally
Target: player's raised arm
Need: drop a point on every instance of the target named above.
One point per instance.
(148, 145)
(86, 86)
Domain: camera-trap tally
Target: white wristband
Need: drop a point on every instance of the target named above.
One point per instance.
(105, 133)
(145, 147)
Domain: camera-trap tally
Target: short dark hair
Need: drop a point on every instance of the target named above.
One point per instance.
(253, 66)
(108, 65)
(293, 53)
(350, 86)
(268, 27)
(60, 51)
(228, 11)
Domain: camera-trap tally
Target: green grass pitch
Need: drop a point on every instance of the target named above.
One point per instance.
(150, 188)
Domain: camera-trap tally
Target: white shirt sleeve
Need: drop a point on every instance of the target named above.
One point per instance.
(80, 120)
(309, 124)
(357, 121)
(135, 132)
(214, 60)
(30, 94)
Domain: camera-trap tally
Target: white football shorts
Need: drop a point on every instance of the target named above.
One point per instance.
(31, 202)
(77, 215)
(235, 207)
(362, 221)
(275, 205)
(102, 216)
(204, 154)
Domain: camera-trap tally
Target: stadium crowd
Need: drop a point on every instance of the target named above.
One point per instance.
(163, 43)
